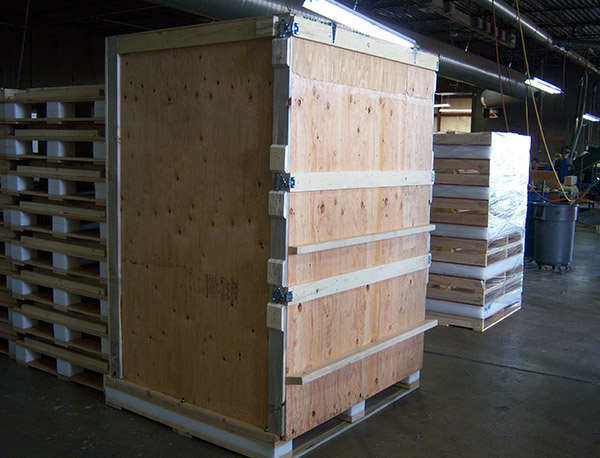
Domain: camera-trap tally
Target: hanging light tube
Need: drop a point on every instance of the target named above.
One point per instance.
(543, 85)
(590, 117)
(356, 21)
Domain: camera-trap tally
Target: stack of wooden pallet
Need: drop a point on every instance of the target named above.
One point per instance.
(479, 207)
(54, 261)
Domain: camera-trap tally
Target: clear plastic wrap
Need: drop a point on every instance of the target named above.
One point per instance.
(479, 208)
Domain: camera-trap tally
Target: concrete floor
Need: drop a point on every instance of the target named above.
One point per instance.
(530, 386)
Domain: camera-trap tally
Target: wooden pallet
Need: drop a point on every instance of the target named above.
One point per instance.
(471, 290)
(237, 436)
(49, 364)
(475, 252)
(476, 324)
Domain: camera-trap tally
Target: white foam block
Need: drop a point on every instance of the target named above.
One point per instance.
(66, 369)
(61, 187)
(100, 190)
(24, 355)
(22, 288)
(21, 253)
(60, 110)
(104, 345)
(65, 225)
(15, 110)
(104, 308)
(99, 150)
(99, 109)
(65, 334)
(12, 147)
(103, 270)
(62, 261)
(19, 218)
(17, 183)
(64, 298)
(22, 322)
(60, 149)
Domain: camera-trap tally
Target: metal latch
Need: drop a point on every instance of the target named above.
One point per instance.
(432, 176)
(284, 182)
(281, 295)
(286, 29)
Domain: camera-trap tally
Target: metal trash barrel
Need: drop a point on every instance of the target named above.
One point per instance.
(554, 234)
(529, 227)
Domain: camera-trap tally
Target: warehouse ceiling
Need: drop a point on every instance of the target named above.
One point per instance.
(465, 24)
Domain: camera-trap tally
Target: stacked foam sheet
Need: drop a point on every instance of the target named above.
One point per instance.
(479, 207)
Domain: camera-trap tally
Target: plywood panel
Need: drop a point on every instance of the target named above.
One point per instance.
(325, 328)
(195, 229)
(329, 215)
(311, 404)
(321, 264)
(345, 128)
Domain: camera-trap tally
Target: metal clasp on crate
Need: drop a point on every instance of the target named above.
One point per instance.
(284, 182)
(286, 29)
(282, 295)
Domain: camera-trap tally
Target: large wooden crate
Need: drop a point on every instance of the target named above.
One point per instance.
(479, 207)
(269, 225)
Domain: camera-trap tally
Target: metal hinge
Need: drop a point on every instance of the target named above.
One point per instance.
(284, 182)
(286, 29)
(432, 176)
(430, 259)
(282, 295)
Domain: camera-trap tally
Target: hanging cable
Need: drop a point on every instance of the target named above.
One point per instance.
(498, 64)
(537, 114)
(23, 44)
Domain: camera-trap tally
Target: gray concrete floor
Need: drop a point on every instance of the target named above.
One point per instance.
(530, 386)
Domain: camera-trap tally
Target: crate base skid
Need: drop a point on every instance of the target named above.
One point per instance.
(233, 435)
(476, 324)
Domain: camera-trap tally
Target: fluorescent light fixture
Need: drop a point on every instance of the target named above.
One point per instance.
(356, 21)
(591, 117)
(543, 86)
(463, 111)
(441, 105)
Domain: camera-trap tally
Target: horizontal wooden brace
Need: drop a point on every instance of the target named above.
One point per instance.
(324, 181)
(332, 285)
(354, 356)
(341, 243)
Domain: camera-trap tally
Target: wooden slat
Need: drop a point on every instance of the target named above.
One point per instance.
(65, 354)
(95, 328)
(323, 181)
(479, 139)
(60, 173)
(332, 285)
(78, 287)
(304, 249)
(63, 210)
(87, 93)
(70, 249)
(330, 366)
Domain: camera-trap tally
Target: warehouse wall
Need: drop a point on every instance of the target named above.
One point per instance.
(53, 57)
